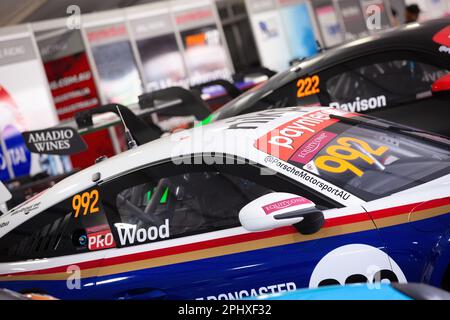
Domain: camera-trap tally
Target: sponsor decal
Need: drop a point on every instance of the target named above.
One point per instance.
(82, 240)
(280, 205)
(355, 263)
(26, 209)
(61, 141)
(130, 234)
(253, 292)
(345, 152)
(444, 49)
(443, 38)
(283, 141)
(306, 152)
(101, 240)
(4, 224)
(309, 179)
(86, 203)
(308, 86)
(360, 105)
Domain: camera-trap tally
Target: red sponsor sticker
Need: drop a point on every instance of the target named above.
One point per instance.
(284, 141)
(280, 205)
(443, 37)
(306, 152)
(101, 240)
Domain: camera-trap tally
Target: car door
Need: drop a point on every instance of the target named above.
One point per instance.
(415, 228)
(179, 236)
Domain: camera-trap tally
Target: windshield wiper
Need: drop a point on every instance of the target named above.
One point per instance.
(396, 128)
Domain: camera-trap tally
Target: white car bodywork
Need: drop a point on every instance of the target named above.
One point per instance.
(213, 138)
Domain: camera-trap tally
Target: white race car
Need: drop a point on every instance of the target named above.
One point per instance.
(257, 204)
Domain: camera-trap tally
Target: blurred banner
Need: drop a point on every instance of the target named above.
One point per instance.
(328, 22)
(162, 61)
(353, 19)
(284, 31)
(25, 104)
(68, 71)
(269, 34)
(205, 55)
(115, 62)
(71, 83)
(299, 28)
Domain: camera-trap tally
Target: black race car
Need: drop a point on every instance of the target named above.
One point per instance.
(389, 75)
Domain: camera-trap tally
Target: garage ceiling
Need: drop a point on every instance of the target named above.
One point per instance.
(21, 11)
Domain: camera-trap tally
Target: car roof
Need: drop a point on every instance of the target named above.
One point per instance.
(418, 36)
(412, 35)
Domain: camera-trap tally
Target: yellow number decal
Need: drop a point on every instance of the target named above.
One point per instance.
(308, 86)
(343, 165)
(94, 198)
(349, 153)
(378, 152)
(316, 82)
(87, 202)
(301, 87)
(341, 154)
(76, 204)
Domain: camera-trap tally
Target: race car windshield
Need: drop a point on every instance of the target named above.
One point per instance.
(372, 162)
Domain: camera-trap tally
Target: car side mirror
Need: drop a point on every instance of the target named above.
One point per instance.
(279, 209)
(441, 87)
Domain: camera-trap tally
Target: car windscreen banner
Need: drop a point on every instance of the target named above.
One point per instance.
(24, 99)
(116, 66)
(205, 55)
(59, 141)
(161, 58)
(328, 22)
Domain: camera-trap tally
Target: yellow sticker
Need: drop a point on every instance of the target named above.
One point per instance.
(308, 86)
(339, 157)
(86, 203)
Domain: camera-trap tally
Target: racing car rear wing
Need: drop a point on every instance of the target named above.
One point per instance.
(142, 132)
(174, 101)
(5, 196)
(191, 102)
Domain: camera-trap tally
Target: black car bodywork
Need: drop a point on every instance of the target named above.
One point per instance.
(387, 75)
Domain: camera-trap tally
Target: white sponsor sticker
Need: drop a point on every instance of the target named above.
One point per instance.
(130, 234)
(360, 105)
(253, 292)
